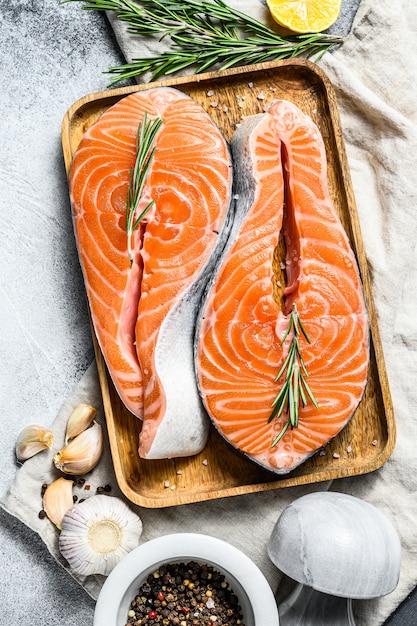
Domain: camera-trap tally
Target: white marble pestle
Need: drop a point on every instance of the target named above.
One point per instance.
(338, 548)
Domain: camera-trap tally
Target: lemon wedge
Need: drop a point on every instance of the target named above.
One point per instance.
(305, 16)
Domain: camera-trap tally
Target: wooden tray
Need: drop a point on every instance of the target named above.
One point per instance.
(369, 438)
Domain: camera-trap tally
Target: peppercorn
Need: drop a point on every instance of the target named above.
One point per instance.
(146, 589)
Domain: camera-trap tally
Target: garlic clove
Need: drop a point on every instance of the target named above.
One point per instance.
(82, 453)
(57, 500)
(97, 533)
(79, 420)
(31, 440)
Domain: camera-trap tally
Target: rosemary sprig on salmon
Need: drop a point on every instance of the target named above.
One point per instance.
(204, 35)
(145, 151)
(295, 388)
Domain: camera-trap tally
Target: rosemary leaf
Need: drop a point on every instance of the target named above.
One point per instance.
(310, 393)
(289, 359)
(280, 401)
(203, 35)
(280, 434)
(303, 396)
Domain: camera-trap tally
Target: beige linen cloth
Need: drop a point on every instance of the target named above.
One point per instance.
(374, 75)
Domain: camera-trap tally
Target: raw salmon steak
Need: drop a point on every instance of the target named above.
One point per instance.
(144, 307)
(281, 184)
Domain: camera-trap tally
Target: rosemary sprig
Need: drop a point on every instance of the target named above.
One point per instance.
(295, 390)
(203, 35)
(145, 151)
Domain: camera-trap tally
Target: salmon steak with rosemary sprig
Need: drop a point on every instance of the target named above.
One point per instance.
(282, 360)
(151, 188)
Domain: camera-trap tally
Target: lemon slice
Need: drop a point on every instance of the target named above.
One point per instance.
(305, 16)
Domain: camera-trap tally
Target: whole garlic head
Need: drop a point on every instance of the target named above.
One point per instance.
(97, 533)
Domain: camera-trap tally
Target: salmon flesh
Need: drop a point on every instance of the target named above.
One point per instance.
(281, 183)
(143, 308)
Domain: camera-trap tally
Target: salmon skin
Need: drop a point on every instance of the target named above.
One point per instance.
(281, 183)
(144, 309)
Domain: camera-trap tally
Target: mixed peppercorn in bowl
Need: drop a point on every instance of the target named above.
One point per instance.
(185, 593)
(186, 579)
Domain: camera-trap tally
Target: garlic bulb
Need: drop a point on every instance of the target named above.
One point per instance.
(31, 440)
(97, 533)
(79, 420)
(57, 500)
(82, 453)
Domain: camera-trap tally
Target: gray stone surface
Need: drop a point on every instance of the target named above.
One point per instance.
(51, 55)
